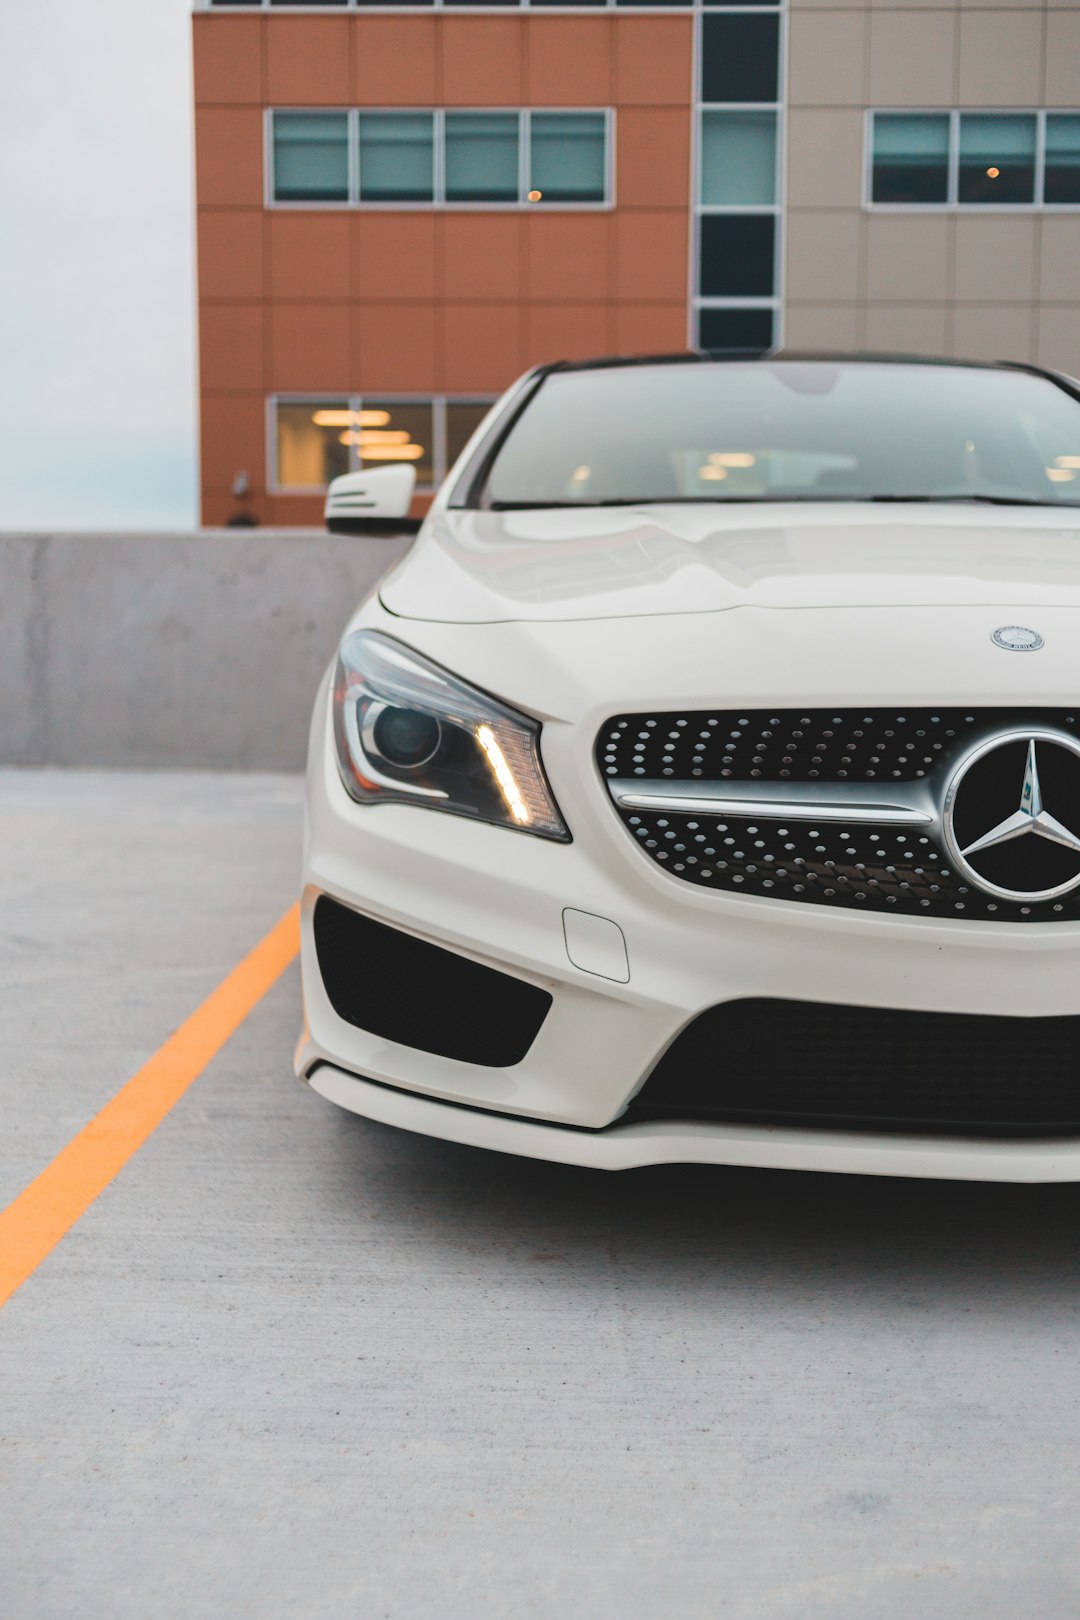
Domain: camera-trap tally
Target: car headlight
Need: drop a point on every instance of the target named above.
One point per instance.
(409, 731)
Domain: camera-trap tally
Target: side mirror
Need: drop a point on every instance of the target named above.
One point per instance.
(372, 502)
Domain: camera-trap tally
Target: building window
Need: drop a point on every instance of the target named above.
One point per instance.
(911, 158)
(1061, 181)
(482, 157)
(737, 214)
(311, 156)
(393, 5)
(466, 159)
(974, 159)
(567, 157)
(397, 157)
(996, 159)
(744, 329)
(738, 159)
(316, 438)
(740, 56)
(738, 255)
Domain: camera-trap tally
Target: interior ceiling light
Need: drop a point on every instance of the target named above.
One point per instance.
(993, 173)
(535, 196)
(385, 436)
(1067, 461)
(368, 419)
(1060, 475)
(732, 458)
(711, 472)
(393, 452)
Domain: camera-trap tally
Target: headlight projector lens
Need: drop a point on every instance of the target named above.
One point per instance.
(406, 738)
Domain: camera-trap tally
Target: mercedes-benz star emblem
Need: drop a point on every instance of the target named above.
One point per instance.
(1017, 638)
(999, 830)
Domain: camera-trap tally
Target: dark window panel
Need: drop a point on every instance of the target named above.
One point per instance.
(747, 330)
(737, 255)
(309, 2)
(397, 156)
(911, 158)
(481, 157)
(684, 5)
(1062, 158)
(567, 157)
(739, 57)
(311, 157)
(537, 3)
(717, 5)
(997, 158)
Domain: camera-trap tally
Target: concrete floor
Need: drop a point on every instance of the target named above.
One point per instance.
(296, 1365)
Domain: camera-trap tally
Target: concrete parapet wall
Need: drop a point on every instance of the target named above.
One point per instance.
(197, 649)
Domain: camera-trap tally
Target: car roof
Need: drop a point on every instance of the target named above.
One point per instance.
(786, 356)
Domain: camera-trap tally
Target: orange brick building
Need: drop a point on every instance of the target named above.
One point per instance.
(431, 302)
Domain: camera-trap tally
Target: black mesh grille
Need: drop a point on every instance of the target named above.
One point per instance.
(859, 867)
(790, 1062)
(405, 990)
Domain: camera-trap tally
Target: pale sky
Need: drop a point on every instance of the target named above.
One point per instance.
(97, 297)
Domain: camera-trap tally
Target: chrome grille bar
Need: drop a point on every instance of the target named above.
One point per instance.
(855, 803)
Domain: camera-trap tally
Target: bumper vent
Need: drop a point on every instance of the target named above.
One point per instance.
(420, 995)
(864, 1068)
(807, 756)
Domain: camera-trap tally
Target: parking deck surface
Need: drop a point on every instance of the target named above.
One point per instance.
(294, 1364)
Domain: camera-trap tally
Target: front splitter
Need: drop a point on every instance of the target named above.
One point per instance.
(631, 1147)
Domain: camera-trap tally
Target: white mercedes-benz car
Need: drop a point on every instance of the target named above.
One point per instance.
(704, 784)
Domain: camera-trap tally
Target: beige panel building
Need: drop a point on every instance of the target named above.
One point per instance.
(933, 179)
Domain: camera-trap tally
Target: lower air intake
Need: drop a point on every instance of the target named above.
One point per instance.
(863, 1068)
(420, 995)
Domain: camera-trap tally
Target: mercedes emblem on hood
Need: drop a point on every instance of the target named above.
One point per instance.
(1017, 638)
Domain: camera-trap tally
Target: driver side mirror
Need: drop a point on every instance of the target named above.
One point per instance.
(372, 502)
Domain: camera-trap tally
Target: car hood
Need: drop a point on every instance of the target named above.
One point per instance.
(490, 567)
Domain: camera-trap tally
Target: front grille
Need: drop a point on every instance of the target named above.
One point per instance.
(406, 990)
(862, 1068)
(905, 871)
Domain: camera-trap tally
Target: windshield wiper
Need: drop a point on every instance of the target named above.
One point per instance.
(771, 500)
(985, 500)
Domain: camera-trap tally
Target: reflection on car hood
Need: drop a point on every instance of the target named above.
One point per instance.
(486, 567)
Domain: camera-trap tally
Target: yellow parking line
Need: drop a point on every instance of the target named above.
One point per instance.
(32, 1226)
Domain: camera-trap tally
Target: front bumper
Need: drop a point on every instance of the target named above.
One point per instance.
(630, 1147)
(498, 897)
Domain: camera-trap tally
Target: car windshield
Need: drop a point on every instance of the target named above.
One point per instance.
(790, 430)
